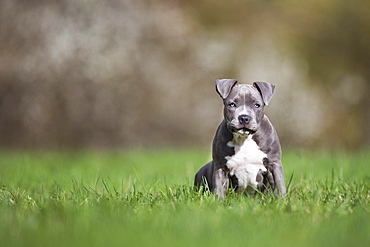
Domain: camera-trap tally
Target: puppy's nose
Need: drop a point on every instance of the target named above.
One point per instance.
(244, 119)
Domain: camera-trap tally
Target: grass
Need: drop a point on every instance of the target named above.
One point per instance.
(137, 198)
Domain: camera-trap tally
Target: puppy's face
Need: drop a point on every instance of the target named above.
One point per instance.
(243, 109)
(244, 104)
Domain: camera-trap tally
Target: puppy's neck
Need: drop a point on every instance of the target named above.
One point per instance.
(238, 139)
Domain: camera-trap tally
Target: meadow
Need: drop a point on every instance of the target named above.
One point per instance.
(145, 198)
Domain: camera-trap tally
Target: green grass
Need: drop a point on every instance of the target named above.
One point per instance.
(137, 198)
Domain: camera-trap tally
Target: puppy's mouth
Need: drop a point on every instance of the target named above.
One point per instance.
(242, 131)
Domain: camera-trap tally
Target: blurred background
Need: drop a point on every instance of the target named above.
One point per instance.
(141, 73)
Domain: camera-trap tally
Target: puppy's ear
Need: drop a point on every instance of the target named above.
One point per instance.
(224, 86)
(266, 90)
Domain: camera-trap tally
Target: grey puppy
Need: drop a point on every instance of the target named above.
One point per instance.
(246, 150)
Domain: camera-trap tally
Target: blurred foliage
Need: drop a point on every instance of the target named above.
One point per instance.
(141, 73)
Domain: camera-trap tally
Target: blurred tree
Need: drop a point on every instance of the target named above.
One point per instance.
(334, 37)
(125, 72)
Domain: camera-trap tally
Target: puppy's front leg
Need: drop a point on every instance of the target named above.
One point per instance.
(278, 174)
(275, 177)
(221, 182)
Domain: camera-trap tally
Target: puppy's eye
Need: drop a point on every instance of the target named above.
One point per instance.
(256, 105)
(232, 104)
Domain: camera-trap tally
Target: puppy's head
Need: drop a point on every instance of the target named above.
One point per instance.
(244, 104)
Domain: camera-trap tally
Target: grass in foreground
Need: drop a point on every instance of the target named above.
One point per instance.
(135, 198)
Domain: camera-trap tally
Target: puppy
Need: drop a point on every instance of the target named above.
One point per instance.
(246, 150)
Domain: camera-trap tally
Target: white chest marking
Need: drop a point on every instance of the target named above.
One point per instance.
(246, 162)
